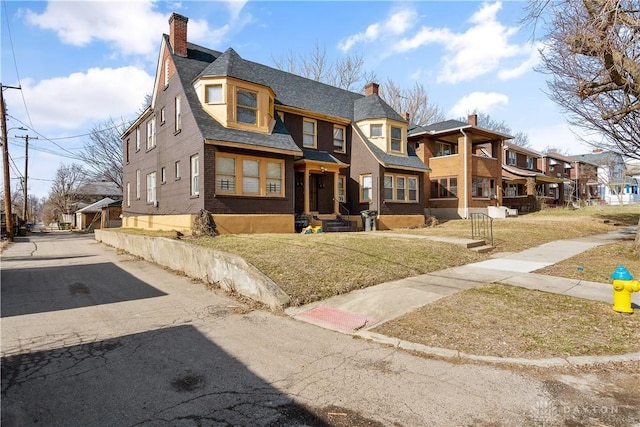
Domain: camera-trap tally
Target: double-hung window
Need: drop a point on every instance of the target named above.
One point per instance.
(151, 133)
(247, 107)
(512, 158)
(178, 118)
(396, 139)
(309, 133)
(249, 176)
(400, 188)
(195, 175)
(529, 162)
(138, 184)
(366, 187)
(151, 187)
(138, 138)
(338, 139)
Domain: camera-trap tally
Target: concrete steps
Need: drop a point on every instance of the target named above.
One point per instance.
(482, 249)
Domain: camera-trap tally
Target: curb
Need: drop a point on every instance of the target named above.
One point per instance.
(542, 363)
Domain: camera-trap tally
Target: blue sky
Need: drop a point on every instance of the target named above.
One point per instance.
(81, 62)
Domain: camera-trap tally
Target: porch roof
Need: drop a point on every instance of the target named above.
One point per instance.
(519, 176)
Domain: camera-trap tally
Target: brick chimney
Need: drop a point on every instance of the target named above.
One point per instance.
(178, 34)
(473, 119)
(407, 116)
(371, 89)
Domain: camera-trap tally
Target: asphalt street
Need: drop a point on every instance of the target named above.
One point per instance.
(93, 337)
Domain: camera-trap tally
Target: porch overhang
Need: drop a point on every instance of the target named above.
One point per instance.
(319, 162)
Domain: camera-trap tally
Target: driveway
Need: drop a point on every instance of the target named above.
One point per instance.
(92, 337)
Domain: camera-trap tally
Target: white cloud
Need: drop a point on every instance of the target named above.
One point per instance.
(82, 99)
(131, 28)
(479, 50)
(525, 66)
(480, 101)
(397, 23)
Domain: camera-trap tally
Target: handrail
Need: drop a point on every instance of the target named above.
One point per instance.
(482, 226)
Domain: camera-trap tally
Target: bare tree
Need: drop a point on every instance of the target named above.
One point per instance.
(486, 121)
(592, 54)
(63, 195)
(414, 101)
(103, 153)
(346, 73)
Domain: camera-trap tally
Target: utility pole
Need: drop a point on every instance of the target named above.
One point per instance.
(5, 161)
(26, 172)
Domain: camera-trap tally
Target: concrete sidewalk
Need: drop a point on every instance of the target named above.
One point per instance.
(367, 308)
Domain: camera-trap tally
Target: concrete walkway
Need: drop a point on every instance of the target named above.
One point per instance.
(367, 308)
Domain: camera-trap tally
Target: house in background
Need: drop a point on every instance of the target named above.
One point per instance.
(614, 185)
(559, 166)
(259, 148)
(584, 178)
(93, 191)
(526, 187)
(466, 166)
(90, 216)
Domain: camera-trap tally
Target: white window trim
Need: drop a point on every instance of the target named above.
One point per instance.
(151, 187)
(138, 184)
(128, 194)
(151, 133)
(178, 114)
(137, 138)
(362, 187)
(195, 175)
(176, 170)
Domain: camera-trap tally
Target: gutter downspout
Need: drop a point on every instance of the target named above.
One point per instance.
(466, 178)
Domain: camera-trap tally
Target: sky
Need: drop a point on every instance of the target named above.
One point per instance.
(81, 63)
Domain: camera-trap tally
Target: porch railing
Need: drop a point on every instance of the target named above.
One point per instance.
(482, 227)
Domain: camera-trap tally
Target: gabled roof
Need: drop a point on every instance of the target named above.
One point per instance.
(411, 161)
(603, 158)
(558, 156)
(521, 149)
(373, 107)
(97, 206)
(100, 188)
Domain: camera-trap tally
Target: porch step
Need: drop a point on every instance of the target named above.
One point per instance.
(338, 226)
(471, 244)
(482, 249)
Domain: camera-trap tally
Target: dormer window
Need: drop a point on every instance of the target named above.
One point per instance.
(396, 139)
(214, 94)
(247, 107)
(375, 131)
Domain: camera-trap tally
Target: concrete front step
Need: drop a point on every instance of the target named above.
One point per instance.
(482, 249)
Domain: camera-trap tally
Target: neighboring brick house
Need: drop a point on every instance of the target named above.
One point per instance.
(584, 179)
(259, 147)
(466, 166)
(526, 186)
(559, 166)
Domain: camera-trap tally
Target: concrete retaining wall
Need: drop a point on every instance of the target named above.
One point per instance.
(229, 271)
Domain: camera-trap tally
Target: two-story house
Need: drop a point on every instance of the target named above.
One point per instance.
(613, 184)
(466, 166)
(259, 147)
(526, 187)
(584, 178)
(557, 165)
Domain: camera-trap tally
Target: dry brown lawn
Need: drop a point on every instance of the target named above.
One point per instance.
(505, 321)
